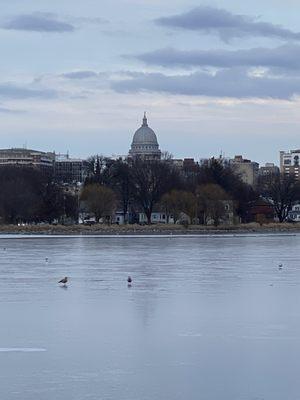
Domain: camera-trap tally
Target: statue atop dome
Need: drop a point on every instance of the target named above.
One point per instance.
(145, 121)
(144, 143)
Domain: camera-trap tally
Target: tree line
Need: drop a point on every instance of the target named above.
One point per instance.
(199, 193)
(28, 196)
(143, 185)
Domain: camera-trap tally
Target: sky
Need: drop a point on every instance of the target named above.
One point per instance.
(214, 77)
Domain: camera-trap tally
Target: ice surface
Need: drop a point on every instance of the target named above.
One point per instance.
(206, 318)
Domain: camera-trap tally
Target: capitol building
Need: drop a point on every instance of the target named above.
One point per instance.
(144, 143)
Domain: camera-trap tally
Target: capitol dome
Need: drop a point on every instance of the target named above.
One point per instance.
(145, 142)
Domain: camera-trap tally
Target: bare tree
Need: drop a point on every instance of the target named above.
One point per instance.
(179, 201)
(100, 200)
(283, 191)
(96, 168)
(121, 183)
(210, 202)
(150, 180)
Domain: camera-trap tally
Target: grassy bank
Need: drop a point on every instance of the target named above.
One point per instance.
(147, 230)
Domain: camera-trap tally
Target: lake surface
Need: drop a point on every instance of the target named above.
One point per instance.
(206, 318)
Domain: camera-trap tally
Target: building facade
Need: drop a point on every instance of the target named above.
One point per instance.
(289, 163)
(246, 169)
(144, 143)
(294, 214)
(69, 170)
(28, 158)
(269, 170)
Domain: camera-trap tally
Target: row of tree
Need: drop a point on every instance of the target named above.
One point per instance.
(139, 184)
(200, 192)
(134, 185)
(28, 196)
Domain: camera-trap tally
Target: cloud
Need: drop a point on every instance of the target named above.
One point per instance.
(80, 75)
(225, 24)
(38, 22)
(234, 83)
(4, 110)
(287, 57)
(12, 91)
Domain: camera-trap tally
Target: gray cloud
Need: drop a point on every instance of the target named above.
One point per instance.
(235, 83)
(226, 24)
(80, 75)
(38, 22)
(12, 91)
(287, 57)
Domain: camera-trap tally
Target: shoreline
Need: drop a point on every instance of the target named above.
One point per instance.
(132, 230)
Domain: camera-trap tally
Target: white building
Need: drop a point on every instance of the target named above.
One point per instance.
(294, 214)
(144, 143)
(156, 218)
(289, 163)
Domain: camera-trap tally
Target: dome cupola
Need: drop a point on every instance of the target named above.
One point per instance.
(145, 142)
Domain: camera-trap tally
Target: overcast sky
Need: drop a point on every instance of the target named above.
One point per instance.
(212, 75)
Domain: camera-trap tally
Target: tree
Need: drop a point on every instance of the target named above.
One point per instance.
(52, 202)
(177, 202)
(121, 183)
(166, 156)
(283, 191)
(169, 204)
(225, 177)
(210, 201)
(71, 206)
(150, 180)
(100, 200)
(27, 195)
(96, 169)
(20, 195)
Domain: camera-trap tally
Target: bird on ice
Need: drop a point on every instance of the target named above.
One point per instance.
(280, 266)
(64, 281)
(129, 280)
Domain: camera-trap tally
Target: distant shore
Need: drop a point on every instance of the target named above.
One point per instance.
(148, 230)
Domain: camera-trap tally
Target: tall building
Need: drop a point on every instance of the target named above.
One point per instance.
(144, 143)
(289, 163)
(246, 169)
(269, 169)
(28, 158)
(69, 170)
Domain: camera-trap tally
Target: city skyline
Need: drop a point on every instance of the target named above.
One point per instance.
(112, 154)
(212, 78)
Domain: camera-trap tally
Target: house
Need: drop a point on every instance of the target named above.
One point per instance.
(157, 217)
(261, 211)
(225, 214)
(294, 214)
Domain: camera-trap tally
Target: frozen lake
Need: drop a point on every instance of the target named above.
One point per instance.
(207, 318)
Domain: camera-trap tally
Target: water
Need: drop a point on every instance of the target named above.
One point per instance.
(209, 318)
